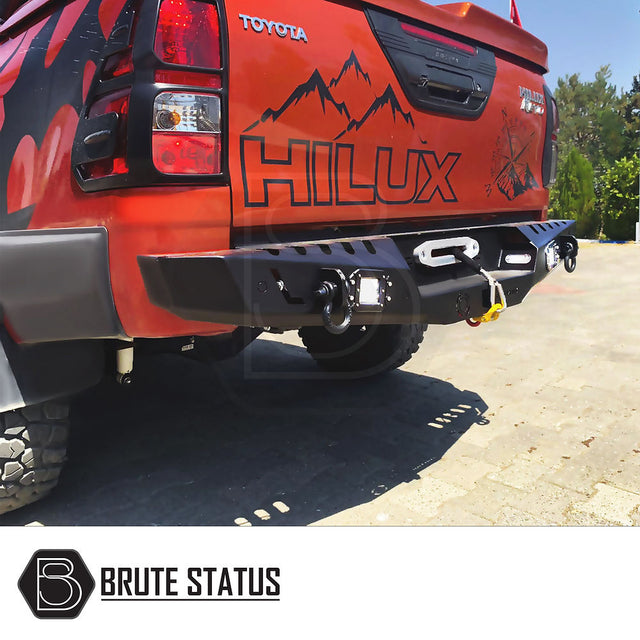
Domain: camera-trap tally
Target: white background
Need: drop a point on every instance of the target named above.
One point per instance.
(352, 582)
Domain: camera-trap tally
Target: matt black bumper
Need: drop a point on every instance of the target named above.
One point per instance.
(274, 285)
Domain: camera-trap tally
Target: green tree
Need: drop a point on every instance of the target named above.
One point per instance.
(620, 199)
(631, 116)
(573, 196)
(591, 119)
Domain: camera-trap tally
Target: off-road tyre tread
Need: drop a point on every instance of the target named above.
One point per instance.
(33, 449)
(379, 349)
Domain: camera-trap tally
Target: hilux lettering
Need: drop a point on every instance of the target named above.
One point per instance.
(321, 174)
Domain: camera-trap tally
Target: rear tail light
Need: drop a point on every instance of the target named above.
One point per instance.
(188, 33)
(186, 116)
(186, 133)
(550, 156)
(437, 38)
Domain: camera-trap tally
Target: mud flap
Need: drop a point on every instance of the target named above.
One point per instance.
(10, 396)
(30, 374)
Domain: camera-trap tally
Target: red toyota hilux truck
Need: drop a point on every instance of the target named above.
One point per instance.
(181, 175)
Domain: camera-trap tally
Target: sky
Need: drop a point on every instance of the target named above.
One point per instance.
(582, 35)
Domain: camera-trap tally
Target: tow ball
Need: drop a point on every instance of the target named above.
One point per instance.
(334, 292)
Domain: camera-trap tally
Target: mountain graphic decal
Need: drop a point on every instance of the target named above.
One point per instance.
(356, 105)
(315, 85)
(351, 63)
(388, 98)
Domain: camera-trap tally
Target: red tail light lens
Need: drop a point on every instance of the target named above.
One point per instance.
(188, 78)
(186, 135)
(437, 38)
(186, 154)
(188, 34)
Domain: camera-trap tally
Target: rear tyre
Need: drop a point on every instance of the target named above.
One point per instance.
(33, 448)
(374, 350)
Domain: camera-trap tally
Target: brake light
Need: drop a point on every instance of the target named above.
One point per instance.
(438, 38)
(188, 33)
(186, 136)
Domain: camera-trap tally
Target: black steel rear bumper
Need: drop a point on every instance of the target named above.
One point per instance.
(274, 285)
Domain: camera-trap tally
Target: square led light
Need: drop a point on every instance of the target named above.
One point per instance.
(369, 291)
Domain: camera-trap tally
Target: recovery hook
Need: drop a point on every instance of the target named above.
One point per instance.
(327, 293)
(495, 308)
(569, 252)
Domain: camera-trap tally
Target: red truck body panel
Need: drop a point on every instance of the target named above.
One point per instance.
(40, 181)
(335, 127)
(345, 147)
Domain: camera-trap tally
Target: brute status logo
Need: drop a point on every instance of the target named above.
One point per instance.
(56, 583)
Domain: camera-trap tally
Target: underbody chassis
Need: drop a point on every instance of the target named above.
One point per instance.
(436, 277)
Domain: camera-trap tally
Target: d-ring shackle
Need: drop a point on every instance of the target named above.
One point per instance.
(327, 292)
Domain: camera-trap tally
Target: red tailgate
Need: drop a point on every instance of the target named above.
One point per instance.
(327, 124)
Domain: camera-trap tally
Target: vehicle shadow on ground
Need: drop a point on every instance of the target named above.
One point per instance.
(194, 444)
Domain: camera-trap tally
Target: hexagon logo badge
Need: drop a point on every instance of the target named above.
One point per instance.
(56, 583)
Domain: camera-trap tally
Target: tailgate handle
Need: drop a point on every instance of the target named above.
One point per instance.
(449, 86)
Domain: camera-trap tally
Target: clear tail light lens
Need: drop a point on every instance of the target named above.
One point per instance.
(188, 33)
(186, 133)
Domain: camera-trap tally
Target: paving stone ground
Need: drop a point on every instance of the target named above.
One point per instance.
(560, 379)
(529, 421)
